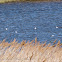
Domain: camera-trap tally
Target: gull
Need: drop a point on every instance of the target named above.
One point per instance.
(52, 36)
(6, 28)
(56, 27)
(15, 31)
(35, 28)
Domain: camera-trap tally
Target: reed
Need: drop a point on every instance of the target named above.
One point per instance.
(33, 51)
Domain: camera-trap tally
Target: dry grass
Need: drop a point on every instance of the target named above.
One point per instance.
(33, 51)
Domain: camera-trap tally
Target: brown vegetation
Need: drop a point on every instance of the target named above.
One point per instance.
(33, 51)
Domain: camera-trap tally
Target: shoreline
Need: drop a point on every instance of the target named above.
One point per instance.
(14, 1)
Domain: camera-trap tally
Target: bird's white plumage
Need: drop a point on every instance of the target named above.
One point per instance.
(35, 28)
(6, 28)
(56, 26)
(52, 35)
(15, 31)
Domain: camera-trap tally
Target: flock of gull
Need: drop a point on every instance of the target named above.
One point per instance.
(35, 29)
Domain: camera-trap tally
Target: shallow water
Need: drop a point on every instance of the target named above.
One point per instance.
(25, 21)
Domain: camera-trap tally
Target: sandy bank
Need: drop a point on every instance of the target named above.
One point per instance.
(33, 51)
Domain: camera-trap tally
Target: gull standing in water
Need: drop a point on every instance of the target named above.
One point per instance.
(52, 36)
(6, 28)
(15, 31)
(56, 26)
(35, 28)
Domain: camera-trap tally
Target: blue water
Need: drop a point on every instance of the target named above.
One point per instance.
(25, 21)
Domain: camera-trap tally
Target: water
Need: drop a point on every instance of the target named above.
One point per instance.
(25, 21)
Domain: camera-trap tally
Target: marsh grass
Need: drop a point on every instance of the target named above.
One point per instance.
(33, 51)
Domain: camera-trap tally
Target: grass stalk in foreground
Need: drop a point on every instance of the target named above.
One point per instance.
(33, 51)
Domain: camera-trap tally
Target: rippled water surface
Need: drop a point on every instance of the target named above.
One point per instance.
(25, 21)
